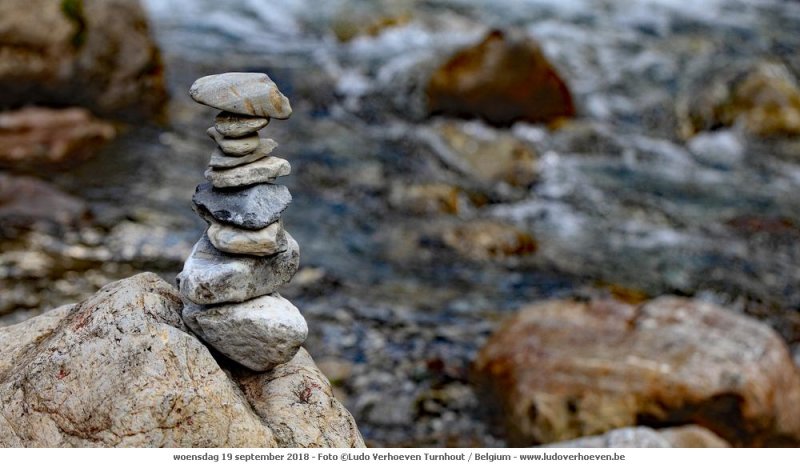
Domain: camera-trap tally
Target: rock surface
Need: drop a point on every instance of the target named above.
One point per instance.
(252, 207)
(250, 94)
(565, 369)
(503, 79)
(221, 161)
(264, 242)
(234, 125)
(33, 139)
(764, 100)
(120, 369)
(260, 333)
(210, 276)
(234, 146)
(258, 172)
(93, 53)
(27, 200)
(689, 436)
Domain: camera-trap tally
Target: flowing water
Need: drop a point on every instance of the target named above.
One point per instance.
(622, 203)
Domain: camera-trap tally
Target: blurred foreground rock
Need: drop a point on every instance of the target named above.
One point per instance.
(689, 436)
(33, 139)
(503, 79)
(566, 369)
(121, 369)
(93, 53)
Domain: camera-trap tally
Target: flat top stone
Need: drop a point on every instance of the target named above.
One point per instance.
(251, 207)
(250, 94)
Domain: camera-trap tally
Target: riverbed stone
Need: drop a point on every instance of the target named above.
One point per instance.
(565, 369)
(211, 276)
(258, 172)
(263, 242)
(220, 160)
(234, 146)
(258, 334)
(251, 207)
(251, 94)
(235, 125)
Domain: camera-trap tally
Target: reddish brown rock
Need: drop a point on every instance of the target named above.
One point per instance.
(93, 53)
(503, 79)
(39, 138)
(566, 369)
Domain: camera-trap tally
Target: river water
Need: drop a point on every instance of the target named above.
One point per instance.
(622, 204)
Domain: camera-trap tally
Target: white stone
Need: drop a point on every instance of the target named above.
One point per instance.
(259, 334)
(220, 160)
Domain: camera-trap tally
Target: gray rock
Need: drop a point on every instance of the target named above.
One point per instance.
(263, 242)
(259, 334)
(688, 436)
(220, 160)
(251, 94)
(121, 369)
(234, 147)
(258, 172)
(211, 276)
(234, 125)
(251, 207)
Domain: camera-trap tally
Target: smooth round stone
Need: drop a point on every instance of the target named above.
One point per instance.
(264, 170)
(234, 147)
(251, 94)
(264, 242)
(220, 160)
(210, 276)
(259, 334)
(235, 125)
(251, 207)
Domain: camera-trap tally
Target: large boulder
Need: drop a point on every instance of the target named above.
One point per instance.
(93, 53)
(121, 369)
(503, 79)
(566, 369)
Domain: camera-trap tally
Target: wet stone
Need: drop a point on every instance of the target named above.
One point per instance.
(251, 207)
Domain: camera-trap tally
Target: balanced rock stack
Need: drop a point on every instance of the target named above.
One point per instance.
(230, 280)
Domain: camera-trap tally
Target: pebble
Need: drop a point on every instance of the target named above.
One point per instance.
(235, 147)
(265, 242)
(264, 170)
(235, 125)
(251, 207)
(220, 160)
(211, 276)
(259, 334)
(251, 94)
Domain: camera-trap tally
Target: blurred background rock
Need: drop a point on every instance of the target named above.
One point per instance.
(454, 161)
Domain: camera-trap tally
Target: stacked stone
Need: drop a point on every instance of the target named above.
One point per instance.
(230, 280)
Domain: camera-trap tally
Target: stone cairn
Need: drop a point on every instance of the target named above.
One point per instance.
(230, 280)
